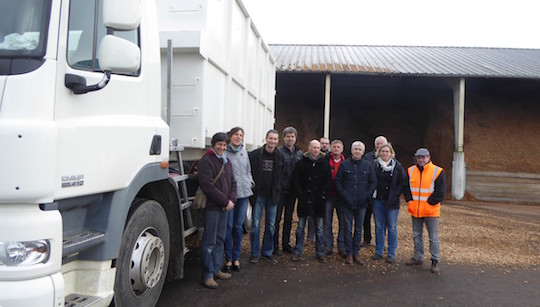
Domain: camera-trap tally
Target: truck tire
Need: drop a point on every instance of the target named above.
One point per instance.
(142, 262)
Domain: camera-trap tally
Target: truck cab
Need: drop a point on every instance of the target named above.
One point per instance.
(92, 208)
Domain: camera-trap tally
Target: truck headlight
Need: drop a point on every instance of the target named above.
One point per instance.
(13, 253)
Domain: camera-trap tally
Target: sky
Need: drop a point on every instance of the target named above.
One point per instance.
(458, 23)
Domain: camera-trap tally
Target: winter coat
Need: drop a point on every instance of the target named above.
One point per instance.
(291, 158)
(256, 170)
(355, 183)
(312, 181)
(389, 191)
(224, 189)
(241, 170)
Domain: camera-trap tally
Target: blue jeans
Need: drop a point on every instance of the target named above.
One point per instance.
(331, 203)
(215, 226)
(352, 243)
(385, 218)
(235, 229)
(432, 225)
(269, 227)
(300, 231)
(310, 228)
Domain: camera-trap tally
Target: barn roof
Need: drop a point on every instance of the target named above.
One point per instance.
(409, 61)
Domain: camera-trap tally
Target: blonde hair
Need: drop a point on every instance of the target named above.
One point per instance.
(389, 145)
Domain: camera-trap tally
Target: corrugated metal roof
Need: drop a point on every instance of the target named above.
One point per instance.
(401, 60)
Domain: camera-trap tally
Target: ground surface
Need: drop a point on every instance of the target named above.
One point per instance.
(490, 256)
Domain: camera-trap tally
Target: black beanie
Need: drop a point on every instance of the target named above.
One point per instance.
(219, 137)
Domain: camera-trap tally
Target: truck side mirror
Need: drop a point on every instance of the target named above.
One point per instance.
(119, 55)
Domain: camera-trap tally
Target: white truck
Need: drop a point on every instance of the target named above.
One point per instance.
(95, 95)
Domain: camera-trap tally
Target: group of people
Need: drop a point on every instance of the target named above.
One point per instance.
(319, 181)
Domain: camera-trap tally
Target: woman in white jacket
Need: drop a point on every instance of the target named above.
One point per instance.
(238, 156)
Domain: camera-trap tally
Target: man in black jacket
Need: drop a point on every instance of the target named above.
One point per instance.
(267, 165)
(287, 199)
(312, 180)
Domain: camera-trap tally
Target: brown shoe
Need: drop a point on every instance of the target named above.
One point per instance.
(322, 260)
(349, 259)
(210, 283)
(357, 259)
(223, 275)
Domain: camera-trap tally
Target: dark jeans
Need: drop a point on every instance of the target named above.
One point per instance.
(331, 203)
(352, 242)
(285, 208)
(299, 247)
(215, 227)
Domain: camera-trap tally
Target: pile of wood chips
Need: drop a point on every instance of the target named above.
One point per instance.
(468, 236)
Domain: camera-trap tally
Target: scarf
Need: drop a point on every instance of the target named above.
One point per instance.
(235, 149)
(223, 156)
(386, 166)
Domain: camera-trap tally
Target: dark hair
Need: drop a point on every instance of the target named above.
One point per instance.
(289, 130)
(272, 131)
(219, 137)
(233, 131)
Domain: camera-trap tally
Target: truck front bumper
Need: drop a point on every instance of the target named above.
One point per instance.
(45, 291)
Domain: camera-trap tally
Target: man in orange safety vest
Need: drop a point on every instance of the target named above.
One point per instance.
(427, 183)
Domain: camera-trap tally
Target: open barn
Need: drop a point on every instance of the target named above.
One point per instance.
(476, 109)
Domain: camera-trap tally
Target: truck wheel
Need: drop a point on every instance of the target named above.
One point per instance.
(142, 262)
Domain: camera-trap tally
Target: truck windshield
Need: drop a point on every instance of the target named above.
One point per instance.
(23, 28)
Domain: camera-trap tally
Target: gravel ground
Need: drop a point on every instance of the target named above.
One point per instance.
(468, 235)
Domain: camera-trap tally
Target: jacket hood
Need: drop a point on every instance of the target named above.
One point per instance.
(321, 155)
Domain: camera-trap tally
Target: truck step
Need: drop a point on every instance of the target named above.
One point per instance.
(79, 300)
(80, 241)
(177, 177)
(186, 205)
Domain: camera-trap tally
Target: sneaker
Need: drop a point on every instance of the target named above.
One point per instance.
(343, 254)
(435, 267)
(270, 258)
(210, 283)
(322, 260)
(295, 257)
(254, 259)
(414, 262)
(223, 275)
(376, 257)
(288, 249)
(357, 259)
(349, 259)
(277, 252)
(390, 259)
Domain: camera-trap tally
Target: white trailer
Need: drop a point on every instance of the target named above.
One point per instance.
(91, 93)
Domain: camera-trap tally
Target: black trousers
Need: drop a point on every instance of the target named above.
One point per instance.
(367, 225)
(285, 208)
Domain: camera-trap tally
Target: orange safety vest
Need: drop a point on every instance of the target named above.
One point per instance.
(422, 185)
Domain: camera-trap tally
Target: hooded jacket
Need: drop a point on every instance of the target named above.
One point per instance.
(312, 180)
(241, 170)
